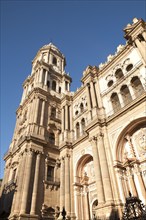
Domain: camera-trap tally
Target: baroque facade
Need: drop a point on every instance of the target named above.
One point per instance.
(82, 150)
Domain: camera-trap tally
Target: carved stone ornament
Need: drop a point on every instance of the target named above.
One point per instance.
(139, 139)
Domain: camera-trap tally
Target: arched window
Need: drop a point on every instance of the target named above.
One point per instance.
(53, 112)
(77, 130)
(83, 125)
(54, 61)
(51, 138)
(110, 83)
(129, 67)
(115, 102)
(50, 173)
(81, 107)
(48, 84)
(59, 89)
(66, 85)
(137, 86)
(125, 94)
(43, 76)
(54, 85)
(119, 73)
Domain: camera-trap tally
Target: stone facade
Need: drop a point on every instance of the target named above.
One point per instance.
(85, 150)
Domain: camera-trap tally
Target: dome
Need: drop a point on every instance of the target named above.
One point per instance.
(52, 47)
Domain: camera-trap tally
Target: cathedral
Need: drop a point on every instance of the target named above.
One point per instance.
(83, 151)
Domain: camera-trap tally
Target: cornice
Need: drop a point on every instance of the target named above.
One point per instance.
(79, 92)
(111, 63)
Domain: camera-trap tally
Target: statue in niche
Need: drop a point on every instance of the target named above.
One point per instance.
(129, 153)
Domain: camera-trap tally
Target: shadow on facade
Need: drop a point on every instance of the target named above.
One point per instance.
(6, 203)
(114, 215)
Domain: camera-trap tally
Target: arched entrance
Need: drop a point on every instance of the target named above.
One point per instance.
(130, 160)
(85, 187)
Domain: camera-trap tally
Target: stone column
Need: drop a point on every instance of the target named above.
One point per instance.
(57, 133)
(120, 184)
(104, 170)
(97, 89)
(131, 182)
(141, 49)
(66, 117)
(46, 78)
(93, 95)
(131, 91)
(36, 110)
(86, 204)
(17, 195)
(112, 174)
(141, 189)
(42, 113)
(89, 102)
(41, 76)
(63, 123)
(62, 187)
(78, 203)
(27, 177)
(36, 79)
(71, 116)
(31, 111)
(121, 100)
(62, 65)
(35, 185)
(67, 184)
(88, 98)
(99, 183)
(72, 214)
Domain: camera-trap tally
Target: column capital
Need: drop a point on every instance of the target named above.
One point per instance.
(137, 168)
(128, 171)
(93, 140)
(100, 136)
(67, 155)
(62, 158)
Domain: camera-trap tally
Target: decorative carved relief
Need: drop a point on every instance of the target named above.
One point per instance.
(139, 139)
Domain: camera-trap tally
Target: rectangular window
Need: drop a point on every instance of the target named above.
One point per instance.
(66, 85)
(50, 174)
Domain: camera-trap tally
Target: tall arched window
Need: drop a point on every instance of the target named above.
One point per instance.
(59, 89)
(83, 125)
(119, 73)
(54, 61)
(66, 85)
(53, 112)
(125, 94)
(77, 130)
(51, 138)
(43, 76)
(115, 102)
(54, 85)
(48, 84)
(81, 107)
(137, 85)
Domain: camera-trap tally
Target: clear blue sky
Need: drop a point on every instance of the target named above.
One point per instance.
(85, 31)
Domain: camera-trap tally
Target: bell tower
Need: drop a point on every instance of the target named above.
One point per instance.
(32, 163)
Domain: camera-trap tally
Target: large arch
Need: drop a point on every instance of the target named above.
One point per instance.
(81, 164)
(129, 155)
(130, 128)
(85, 186)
